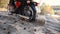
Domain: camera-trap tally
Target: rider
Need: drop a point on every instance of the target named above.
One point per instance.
(24, 2)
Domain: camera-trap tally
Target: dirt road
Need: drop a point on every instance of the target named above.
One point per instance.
(13, 25)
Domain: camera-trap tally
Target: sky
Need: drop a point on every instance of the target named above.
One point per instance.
(50, 2)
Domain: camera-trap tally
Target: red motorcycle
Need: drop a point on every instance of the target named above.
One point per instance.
(27, 10)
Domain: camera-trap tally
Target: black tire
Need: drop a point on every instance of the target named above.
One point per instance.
(10, 10)
(26, 9)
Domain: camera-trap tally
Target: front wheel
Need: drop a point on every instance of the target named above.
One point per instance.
(28, 11)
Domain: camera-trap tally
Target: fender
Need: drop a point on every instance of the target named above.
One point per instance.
(18, 4)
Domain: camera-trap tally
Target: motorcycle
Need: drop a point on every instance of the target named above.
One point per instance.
(27, 10)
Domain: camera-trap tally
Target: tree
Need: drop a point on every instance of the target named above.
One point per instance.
(4, 3)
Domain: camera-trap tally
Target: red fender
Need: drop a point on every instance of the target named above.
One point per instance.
(18, 4)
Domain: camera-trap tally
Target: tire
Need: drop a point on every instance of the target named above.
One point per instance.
(28, 9)
(10, 10)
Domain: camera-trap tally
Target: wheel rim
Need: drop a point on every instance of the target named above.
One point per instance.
(28, 11)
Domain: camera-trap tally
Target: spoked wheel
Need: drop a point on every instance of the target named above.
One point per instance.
(28, 11)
